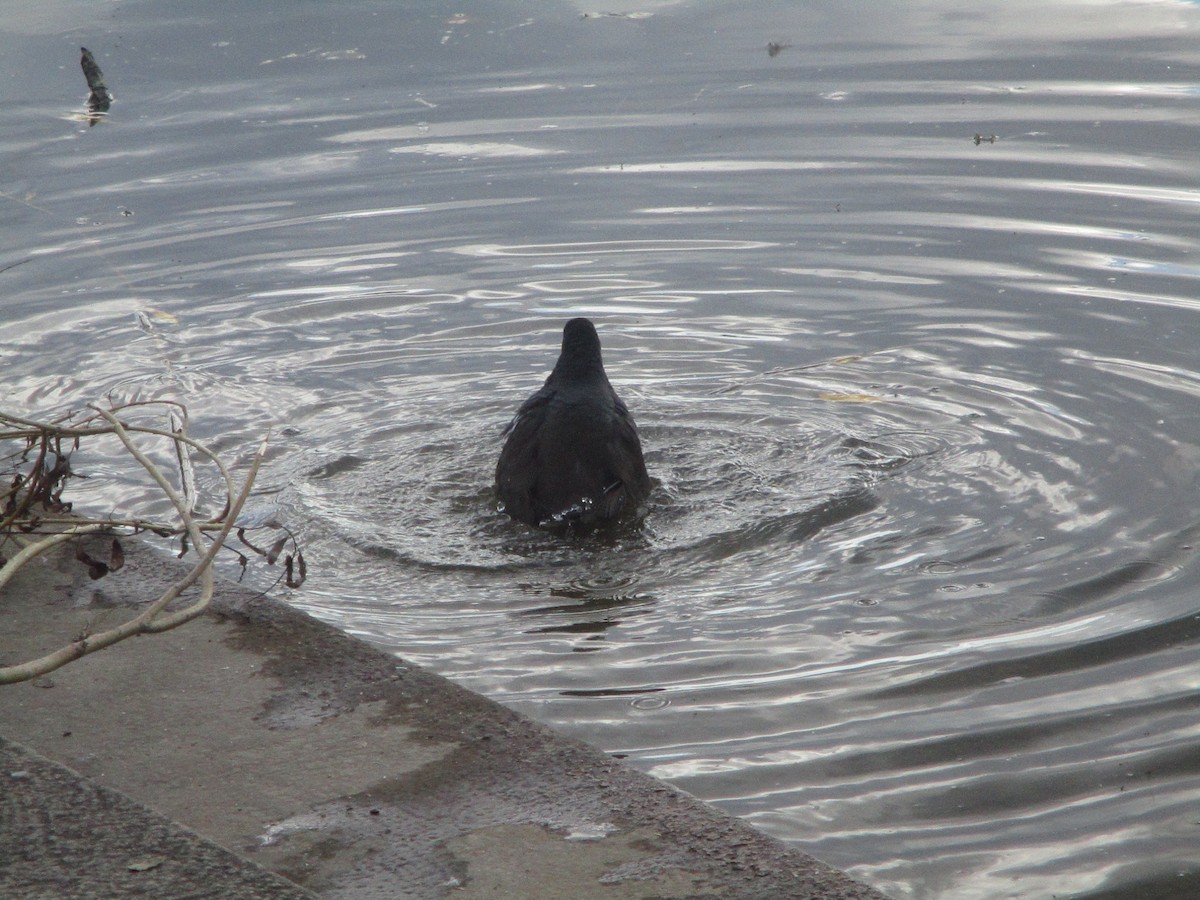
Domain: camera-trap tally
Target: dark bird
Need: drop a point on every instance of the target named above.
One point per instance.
(99, 100)
(572, 458)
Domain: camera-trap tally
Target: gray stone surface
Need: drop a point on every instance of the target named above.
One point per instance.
(64, 836)
(309, 754)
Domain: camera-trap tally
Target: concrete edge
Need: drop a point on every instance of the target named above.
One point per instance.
(329, 762)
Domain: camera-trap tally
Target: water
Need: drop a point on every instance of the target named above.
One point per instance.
(905, 312)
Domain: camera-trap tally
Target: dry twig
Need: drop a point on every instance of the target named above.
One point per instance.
(34, 515)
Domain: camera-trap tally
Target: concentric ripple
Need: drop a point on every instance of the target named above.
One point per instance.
(903, 305)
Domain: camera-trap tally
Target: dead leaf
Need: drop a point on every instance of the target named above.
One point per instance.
(295, 566)
(96, 568)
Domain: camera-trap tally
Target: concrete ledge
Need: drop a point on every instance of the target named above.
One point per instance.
(257, 740)
(62, 835)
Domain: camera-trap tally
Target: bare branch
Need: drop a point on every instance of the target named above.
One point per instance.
(36, 488)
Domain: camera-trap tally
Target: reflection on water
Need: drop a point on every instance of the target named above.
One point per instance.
(912, 590)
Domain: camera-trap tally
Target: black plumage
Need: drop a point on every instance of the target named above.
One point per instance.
(573, 458)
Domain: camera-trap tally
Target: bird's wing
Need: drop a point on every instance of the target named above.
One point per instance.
(517, 469)
(630, 483)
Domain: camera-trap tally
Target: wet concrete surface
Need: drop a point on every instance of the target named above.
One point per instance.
(256, 752)
(65, 836)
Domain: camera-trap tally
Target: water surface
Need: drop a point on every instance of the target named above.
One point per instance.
(903, 304)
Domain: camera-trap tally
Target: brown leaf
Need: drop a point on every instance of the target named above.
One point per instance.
(301, 570)
(241, 533)
(293, 566)
(96, 569)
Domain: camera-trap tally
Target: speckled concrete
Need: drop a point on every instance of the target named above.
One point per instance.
(256, 740)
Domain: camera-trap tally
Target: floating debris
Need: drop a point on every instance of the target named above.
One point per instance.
(985, 139)
(774, 48)
(99, 100)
